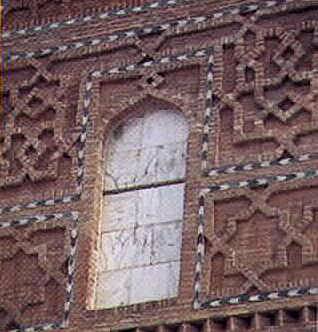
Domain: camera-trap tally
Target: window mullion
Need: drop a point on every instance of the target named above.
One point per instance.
(143, 186)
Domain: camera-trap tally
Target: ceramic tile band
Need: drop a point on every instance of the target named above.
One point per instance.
(73, 216)
(206, 129)
(139, 32)
(207, 122)
(234, 169)
(39, 203)
(200, 254)
(262, 181)
(253, 184)
(176, 58)
(107, 15)
(261, 297)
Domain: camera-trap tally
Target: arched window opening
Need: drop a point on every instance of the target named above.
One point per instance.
(143, 210)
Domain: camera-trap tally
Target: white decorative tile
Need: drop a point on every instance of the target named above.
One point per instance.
(166, 242)
(163, 128)
(127, 136)
(155, 282)
(146, 150)
(122, 169)
(158, 205)
(127, 248)
(171, 161)
(113, 289)
(148, 210)
(171, 202)
(120, 211)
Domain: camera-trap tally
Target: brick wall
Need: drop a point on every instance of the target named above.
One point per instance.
(244, 75)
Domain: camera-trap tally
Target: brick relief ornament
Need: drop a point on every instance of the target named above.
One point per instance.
(38, 131)
(286, 254)
(17, 10)
(265, 89)
(259, 239)
(256, 234)
(36, 260)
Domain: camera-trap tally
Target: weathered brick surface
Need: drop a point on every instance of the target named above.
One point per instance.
(245, 77)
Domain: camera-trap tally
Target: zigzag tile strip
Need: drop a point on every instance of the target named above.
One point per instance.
(253, 183)
(261, 297)
(11, 57)
(206, 128)
(40, 328)
(107, 15)
(71, 264)
(177, 58)
(70, 275)
(208, 113)
(263, 181)
(139, 32)
(81, 152)
(200, 254)
(233, 169)
(38, 203)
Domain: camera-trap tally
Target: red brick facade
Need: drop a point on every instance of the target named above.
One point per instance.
(245, 76)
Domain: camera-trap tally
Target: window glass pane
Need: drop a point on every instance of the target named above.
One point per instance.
(142, 227)
(147, 149)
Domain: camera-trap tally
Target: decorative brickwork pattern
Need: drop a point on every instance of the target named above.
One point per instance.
(231, 239)
(34, 6)
(40, 253)
(35, 136)
(256, 93)
(41, 140)
(273, 86)
(166, 28)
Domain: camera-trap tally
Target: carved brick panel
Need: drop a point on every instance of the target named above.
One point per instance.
(265, 89)
(38, 131)
(261, 240)
(35, 272)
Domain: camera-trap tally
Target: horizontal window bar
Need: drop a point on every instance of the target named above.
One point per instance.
(142, 187)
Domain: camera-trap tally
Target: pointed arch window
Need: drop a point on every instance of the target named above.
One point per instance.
(143, 210)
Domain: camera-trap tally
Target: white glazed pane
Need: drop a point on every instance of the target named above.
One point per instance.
(158, 282)
(143, 207)
(173, 279)
(166, 242)
(113, 289)
(171, 162)
(148, 208)
(146, 150)
(122, 169)
(127, 248)
(128, 135)
(171, 202)
(160, 205)
(120, 211)
(147, 165)
(163, 128)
